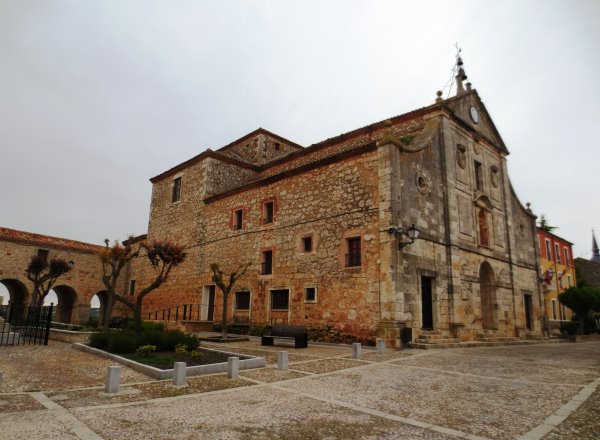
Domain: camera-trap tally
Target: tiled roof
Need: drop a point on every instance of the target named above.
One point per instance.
(13, 235)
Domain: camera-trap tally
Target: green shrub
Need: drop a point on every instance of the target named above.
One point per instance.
(124, 341)
(145, 350)
(181, 349)
(197, 354)
(100, 340)
(153, 337)
(570, 328)
(153, 326)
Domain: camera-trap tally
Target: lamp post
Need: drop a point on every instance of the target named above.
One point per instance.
(411, 234)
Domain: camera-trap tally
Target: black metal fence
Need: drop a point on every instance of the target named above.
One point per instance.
(21, 325)
(178, 313)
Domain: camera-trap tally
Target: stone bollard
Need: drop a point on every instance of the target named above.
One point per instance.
(179, 373)
(113, 380)
(356, 350)
(282, 361)
(233, 367)
(380, 346)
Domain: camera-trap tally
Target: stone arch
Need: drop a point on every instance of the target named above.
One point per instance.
(67, 298)
(18, 296)
(103, 298)
(487, 295)
(17, 291)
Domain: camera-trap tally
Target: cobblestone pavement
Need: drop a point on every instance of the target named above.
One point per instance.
(531, 392)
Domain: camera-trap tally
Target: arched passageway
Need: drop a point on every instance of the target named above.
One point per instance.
(487, 290)
(98, 306)
(66, 299)
(18, 296)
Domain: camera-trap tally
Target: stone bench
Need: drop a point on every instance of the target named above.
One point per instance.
(295, 333)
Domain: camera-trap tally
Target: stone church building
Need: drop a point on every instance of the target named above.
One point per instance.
(329, 230)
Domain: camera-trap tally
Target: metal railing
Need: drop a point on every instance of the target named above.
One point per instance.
(20, 325)
(185, 312)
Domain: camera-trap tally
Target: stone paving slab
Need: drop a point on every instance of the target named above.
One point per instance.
(480, 406)
(583, 424)
(145, 391)
(327, 365)
(55, 367)
(32, 425)
(271, 374)
(18, 403)
(518, 368)
(252, 413)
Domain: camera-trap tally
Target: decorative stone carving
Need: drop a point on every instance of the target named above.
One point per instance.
(494, 176)
(422, 182)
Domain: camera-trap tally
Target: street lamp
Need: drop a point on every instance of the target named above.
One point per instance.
(411, 234)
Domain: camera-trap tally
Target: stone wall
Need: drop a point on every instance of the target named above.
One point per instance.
(75, 289)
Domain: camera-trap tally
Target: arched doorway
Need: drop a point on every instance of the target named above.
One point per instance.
(66, 299)
(97, 307)
(17, 296)
(487, 294)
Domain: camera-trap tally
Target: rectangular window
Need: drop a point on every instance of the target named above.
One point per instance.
(307, 245)
(563, 310)
(238, 219)
(266, 267)
(176, 190)
(554, 310)
(478, 176)
(569, 281)
(557, 252)
(268, 209)
(353, 255)
(43, 254)
(242, 300)
(567, 258)
(280, 299)
(310, 294)
(131, 287)
(548, 250)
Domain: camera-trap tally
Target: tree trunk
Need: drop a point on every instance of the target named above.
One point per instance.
(105, 318)
(137, 318)
(224, 326)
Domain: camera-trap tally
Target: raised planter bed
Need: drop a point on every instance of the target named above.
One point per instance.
(246, 362)
(69, 336)
(220, 340)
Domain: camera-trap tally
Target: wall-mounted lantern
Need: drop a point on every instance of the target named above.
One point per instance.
(411, 234)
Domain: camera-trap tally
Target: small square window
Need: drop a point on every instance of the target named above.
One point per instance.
(280, 299)
(242, 300)
(310, 294)
(176, 190)
(353, 255)
(266, 267)
(238, 219)
(307, 244)
(43, 254)
(268, 210)
(131, 287)
(277, 146)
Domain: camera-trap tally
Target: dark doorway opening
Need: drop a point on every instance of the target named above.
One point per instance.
(528, 300)
(426, 303)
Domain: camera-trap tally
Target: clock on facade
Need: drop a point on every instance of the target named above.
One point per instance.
(474, 115)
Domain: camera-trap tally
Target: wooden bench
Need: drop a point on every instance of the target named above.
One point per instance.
(290, 332)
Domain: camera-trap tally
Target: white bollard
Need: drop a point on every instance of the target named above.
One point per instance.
(113, 379)
(380, 346)
(282, 361)
(233, 367)
(179, 373)
(356, 350)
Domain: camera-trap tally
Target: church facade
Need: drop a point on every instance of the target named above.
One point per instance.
(329, 230)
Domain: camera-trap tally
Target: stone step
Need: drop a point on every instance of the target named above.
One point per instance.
(498, 339)
(433, 340)
(467, 344)
(10, 338)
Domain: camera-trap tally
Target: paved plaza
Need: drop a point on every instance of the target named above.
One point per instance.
(537, 391)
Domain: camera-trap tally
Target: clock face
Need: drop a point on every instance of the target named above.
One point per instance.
(474, 115)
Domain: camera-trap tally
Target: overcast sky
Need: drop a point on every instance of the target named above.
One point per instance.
(96, 97)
